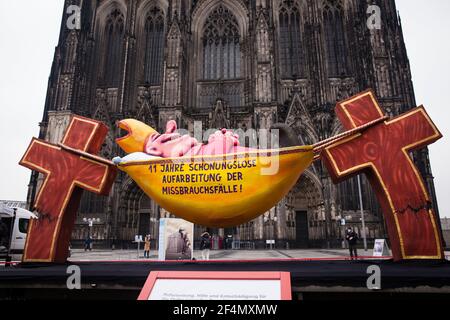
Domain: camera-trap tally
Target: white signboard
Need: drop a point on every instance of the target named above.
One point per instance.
(174, 285)
(161, 242)
(380, 248)
(190, 289)
(176, 239)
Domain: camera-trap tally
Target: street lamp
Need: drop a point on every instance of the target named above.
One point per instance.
(153, 227)
(362, 214)
(271, 220)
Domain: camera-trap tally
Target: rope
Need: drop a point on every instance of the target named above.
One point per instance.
(87, 155)
(319, 146)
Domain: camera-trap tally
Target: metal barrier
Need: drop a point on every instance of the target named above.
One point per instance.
(246, 245)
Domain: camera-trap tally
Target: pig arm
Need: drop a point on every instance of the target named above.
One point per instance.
(169, 144)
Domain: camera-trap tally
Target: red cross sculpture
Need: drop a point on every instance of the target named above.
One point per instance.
(68, 168)
(382, 152)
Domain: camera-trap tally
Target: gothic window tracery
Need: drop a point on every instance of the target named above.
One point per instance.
(92, 203)
(221, 46)
(336, 50)
(113, 45)
(154, 47)
(70, 52)
(291, 56)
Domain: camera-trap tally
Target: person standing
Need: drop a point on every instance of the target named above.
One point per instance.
(147, 247)
(352, 239)
(229, 242)
(88, 244)
(205, 245)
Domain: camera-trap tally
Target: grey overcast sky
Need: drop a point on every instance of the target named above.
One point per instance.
(29, 33)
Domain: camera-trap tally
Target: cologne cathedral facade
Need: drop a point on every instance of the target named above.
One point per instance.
(240, 64)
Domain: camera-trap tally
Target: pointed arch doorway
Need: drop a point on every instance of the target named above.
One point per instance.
(305, 208)
(138, 215)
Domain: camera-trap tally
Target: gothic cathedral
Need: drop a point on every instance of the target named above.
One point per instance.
(240, 64)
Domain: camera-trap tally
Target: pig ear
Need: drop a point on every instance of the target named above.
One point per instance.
(171, 126)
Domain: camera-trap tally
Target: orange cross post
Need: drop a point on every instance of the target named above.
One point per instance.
(382, 152)
(68, 168)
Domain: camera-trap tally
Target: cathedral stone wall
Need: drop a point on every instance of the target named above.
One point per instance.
(243, 64)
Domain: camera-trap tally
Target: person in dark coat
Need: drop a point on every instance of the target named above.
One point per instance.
(205, 245)
(88, 244)
(352, 239)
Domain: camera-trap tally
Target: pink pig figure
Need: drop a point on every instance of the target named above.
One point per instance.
(172, 144)
(143, 138)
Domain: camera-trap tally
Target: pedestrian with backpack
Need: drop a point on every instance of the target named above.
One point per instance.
(205, 245)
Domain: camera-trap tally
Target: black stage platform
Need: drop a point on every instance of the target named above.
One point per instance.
(312, 280)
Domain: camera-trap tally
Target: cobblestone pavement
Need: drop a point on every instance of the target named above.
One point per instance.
(110, 255)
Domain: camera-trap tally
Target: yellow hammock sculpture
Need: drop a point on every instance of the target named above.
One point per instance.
(221, 191)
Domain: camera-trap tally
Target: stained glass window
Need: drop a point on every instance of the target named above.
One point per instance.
(154, 47)
(335, 40)
(114, 34)
(221, 46)
(291, 57)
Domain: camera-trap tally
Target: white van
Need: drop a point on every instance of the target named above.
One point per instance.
(13, 231)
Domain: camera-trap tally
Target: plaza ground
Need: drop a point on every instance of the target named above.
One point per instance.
(126, 255)
(123, 255)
